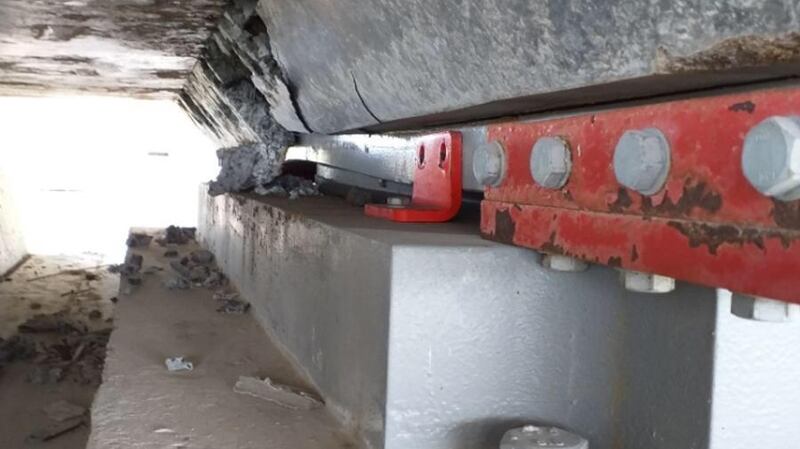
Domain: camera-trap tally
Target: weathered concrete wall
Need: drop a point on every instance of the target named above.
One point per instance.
(12, 243)
(427, 337)
(127, 47)
(389, 64)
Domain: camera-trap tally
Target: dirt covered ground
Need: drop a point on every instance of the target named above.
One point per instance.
(55, 317)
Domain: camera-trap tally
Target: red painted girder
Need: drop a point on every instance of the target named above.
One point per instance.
(753, 261)
(706, 180)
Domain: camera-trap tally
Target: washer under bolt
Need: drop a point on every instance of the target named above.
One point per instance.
(636, 281)
(538, 437)
(551, 162)
(489, 164)
(642, 160)
(771, 157)
(557, 262)
(757, 308)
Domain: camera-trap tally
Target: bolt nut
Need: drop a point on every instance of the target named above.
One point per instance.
(642, 160)
(557, 262)
(489, 164)
(763, 309)
(771, 157)
(538, 437)
(636, 281)
(551, 162)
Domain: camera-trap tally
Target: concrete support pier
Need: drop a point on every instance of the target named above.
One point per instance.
(427, 337)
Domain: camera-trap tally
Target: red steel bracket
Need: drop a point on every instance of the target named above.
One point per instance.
(708, 225)
(436, 192)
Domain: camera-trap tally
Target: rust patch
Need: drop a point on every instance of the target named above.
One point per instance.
(634, 254)
(714, 236)
(614, 262)
(622, 202)
(504, 227)
(695, 195)
(745, 106)
(786, 214)
(552, 247)
(733, 53)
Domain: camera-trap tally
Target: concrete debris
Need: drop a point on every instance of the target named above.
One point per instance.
(59, 349)
(152, 269)
(202, 256)
(282, 395)
(177, 283)
(176, 235)
(245, 167)
(178, 364)
(289, 186)
(225, 295)
(200, 274)
(131, 266)
(55, 430)
(233, 307)
(62, 410)
(138, 240)
(171, 253)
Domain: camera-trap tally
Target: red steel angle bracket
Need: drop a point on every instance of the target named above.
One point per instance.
(704, 222)
(436, 192)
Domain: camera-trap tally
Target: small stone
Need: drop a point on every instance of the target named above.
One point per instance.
(202, 256)
(177, 364)
(171, 253)
(95, 315)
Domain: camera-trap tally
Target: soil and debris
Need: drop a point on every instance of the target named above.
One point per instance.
(57, 317)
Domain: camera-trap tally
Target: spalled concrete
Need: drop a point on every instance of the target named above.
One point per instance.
(389, 64)
(125, 47)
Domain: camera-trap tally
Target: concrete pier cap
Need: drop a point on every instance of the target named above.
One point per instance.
(426, 336)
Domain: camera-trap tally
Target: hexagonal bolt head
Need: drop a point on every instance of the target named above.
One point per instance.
(642, 160)
(636, 281)
(551, 162)
(557, 262)
(538, 437)
(764, 309)
(489, 164)
(771, 157)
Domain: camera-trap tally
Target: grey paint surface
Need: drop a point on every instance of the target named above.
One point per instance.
(428, 337)
(124, 47)
(383, 63)
(756, 398)
(12, 242)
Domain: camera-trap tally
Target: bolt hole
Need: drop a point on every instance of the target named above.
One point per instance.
(442, 155)
(421, 156)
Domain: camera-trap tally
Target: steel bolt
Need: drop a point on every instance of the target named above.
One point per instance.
(551, 162)
(763, 309)
(642, 160)
(771, 157)
(636, 281)
(536, 437)
(489, 164)
(557, 262)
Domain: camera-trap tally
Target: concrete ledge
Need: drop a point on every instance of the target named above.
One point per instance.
(426, 336)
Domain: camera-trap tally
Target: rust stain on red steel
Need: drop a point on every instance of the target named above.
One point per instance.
(705, 183)
(748, 260)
